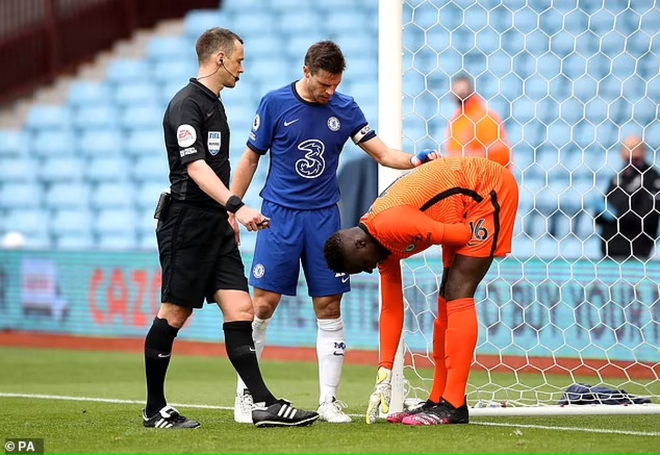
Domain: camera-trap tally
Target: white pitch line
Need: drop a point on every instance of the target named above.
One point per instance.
(106, 400)
(584, 430)
(229, 408)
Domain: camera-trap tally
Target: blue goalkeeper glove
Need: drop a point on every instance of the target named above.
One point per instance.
(424, 156)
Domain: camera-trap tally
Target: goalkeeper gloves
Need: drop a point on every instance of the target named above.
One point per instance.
(381, 396)
(424, 156)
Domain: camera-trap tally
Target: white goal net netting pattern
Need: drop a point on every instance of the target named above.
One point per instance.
(570, 80)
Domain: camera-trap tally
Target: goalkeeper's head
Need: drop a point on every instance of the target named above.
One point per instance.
(353, 250)
(323, 70)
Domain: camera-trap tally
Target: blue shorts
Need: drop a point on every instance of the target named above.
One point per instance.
(295, 237)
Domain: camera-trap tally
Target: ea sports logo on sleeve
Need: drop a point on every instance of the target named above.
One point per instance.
(186, 135)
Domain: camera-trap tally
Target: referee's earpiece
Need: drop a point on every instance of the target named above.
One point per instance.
(222, 62)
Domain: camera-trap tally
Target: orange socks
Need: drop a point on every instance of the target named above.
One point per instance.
(460, 343)
(440, 374)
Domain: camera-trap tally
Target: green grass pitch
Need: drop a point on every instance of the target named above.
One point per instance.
(69, 426)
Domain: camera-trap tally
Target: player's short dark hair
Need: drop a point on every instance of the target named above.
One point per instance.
(327, 56)
(215, 40)
(334, 253)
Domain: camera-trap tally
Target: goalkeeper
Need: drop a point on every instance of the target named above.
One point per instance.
(466, 204)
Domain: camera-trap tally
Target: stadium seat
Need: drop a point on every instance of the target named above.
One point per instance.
(148, 116)
(100, 142)
(522, 247)
(147, 242)
(345, 21)
(286, 6)
(61, 169)
(122, 71)
(71, 222)
(146, 223)
(197, 22)
(593, 248)
(147, 195)
(571, 248)
(258, 22)
(82, 241)
(124, 241)
(177, 72)
(95, 117)
(20, 196)
(43, 117)
(113, 196)
(115, 221)
(151, 168)
(135, 93)
(87, 94)
(52, 143)
(170, 49)
(362, 46)
(69, 195)
(584, 225)
(297, 22)
(13, 143)
(546, 248)
(169, 89)
(29, 222)
(116, 229)
(107, 169)
(145, 142)
(18, 170)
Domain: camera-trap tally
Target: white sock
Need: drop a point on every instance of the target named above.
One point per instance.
(259, 327)
(330, 350)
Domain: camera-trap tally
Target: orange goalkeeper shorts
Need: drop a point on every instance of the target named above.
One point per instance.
(492, 221)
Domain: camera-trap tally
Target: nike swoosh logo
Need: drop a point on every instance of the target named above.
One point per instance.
(208, 114)
(345, 279)
(164, 356)
(253, 350)
(291, 122)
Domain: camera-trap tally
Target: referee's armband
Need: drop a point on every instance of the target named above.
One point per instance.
(234, 203)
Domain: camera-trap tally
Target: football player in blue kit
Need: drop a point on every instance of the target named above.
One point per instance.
(305, 125)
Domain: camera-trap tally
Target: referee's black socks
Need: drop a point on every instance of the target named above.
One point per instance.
(157, 353)
(242, 355)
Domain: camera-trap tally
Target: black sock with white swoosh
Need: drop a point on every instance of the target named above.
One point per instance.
(242, 355)
(157, 354)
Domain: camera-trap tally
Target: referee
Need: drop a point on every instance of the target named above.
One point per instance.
(198, 252)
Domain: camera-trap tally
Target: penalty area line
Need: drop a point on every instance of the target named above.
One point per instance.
(553, 428)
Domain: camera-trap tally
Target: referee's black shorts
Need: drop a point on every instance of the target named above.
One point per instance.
(198, 255)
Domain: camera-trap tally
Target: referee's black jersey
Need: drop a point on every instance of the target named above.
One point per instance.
(195, 126)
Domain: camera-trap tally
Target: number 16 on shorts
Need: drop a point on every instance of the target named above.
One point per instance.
(479, 232)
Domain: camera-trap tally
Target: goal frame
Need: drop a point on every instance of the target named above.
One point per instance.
(390, 117)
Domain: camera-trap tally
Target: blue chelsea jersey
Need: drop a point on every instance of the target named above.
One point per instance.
(305, 140)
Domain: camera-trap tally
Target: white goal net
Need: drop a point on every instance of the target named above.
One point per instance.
(570, 80)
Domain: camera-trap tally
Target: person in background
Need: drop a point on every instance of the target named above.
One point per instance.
(475, 129)
(629, 213)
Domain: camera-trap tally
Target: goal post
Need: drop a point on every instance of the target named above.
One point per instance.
(570, 81)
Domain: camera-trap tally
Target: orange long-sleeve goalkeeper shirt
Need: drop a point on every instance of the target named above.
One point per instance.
(413, 214)
(478, 131)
